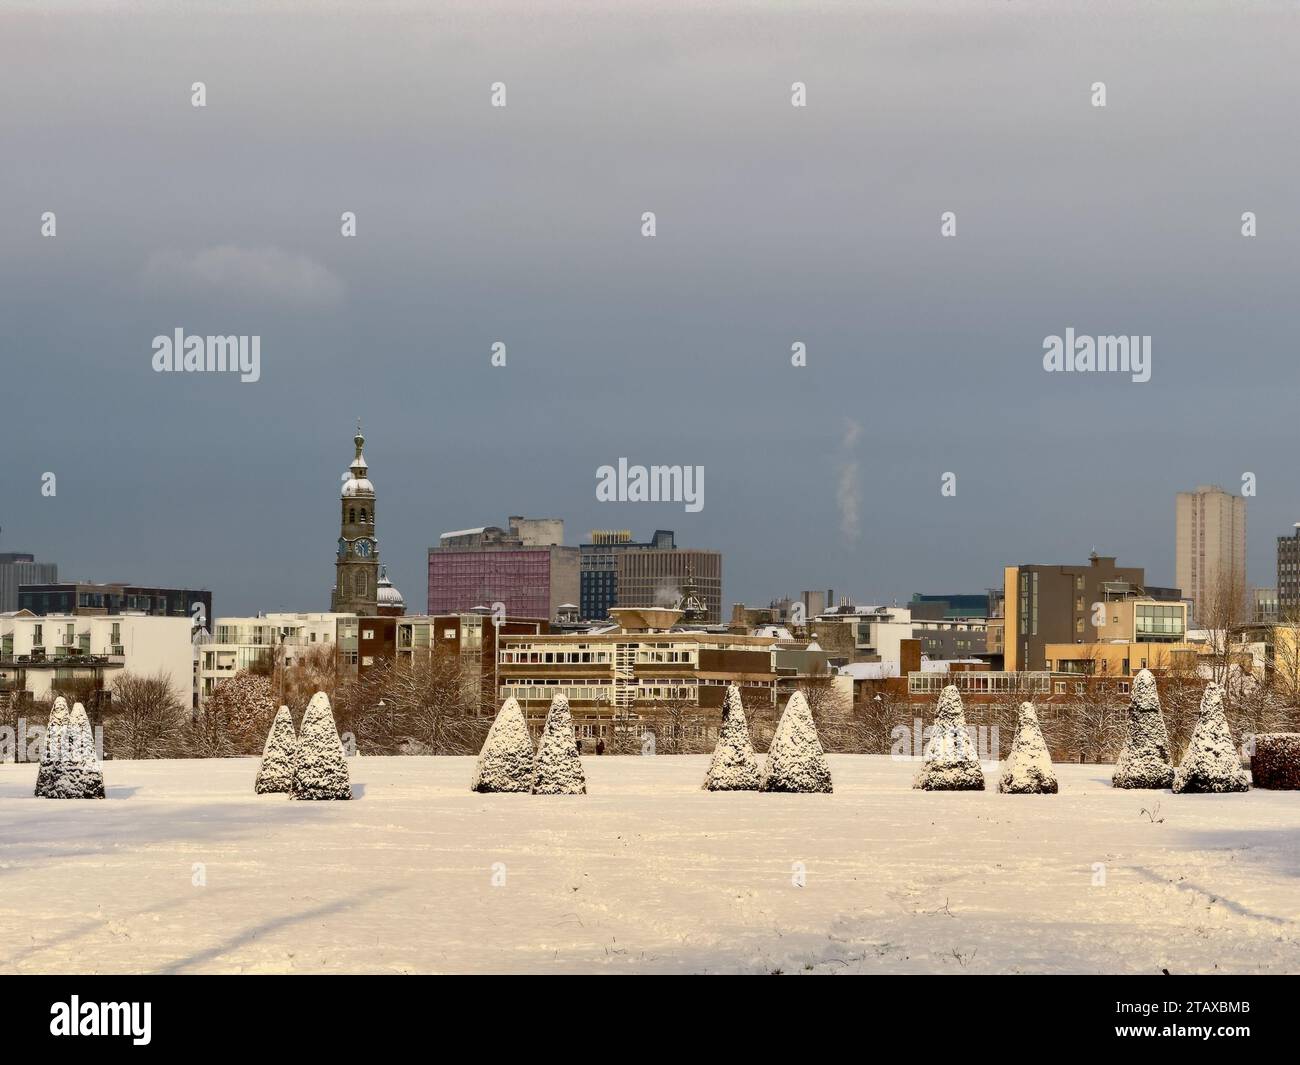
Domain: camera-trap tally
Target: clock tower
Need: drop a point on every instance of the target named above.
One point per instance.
(356, 568)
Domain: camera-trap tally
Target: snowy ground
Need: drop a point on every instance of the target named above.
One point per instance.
(646, 873)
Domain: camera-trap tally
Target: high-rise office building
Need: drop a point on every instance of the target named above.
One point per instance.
(526, 568)
(1210, 551)
(598, 562)
(1288, 576)
(659, 577)
(18, 569)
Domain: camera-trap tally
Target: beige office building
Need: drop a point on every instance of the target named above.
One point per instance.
(1210, 548)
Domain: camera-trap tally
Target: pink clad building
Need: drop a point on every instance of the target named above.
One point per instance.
(526, 567)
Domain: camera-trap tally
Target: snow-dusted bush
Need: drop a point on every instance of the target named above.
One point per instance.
(735, 765)
(795, 759)
(69, 763)
(951, 762)
(1028, 768)
(276, 771)
(319, 769)
(1211, 762)
(506, 761)
(1275, 761)
(557, 769)
(242, 707)
(1144, 758)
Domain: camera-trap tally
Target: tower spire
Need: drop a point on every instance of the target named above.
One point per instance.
(359, 460)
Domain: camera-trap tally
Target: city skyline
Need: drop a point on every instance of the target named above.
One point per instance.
(772, 593)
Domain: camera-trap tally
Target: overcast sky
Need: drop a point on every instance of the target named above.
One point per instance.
(523, 225)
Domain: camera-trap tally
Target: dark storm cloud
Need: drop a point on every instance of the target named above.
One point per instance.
(522, 225)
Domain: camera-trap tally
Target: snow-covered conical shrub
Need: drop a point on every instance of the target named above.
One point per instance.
(1028, 768)
(557, 769)
(1144, 758)
(1211, 763)
(951, 762)
(276, 771)
(506, 761)
(795, 760)
(735, 765)
(69, 764)
(319, 769)
(56, 729)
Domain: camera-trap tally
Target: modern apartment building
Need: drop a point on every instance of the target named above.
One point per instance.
(598, 565)
(1058, 604)
(1210, 551)
(263, 641)
(43, 655)
(17, 569)
(525, 567)
(89, 599)
(472, 638)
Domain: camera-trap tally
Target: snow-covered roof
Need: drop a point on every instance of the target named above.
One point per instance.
(870, 670)
(462, 532)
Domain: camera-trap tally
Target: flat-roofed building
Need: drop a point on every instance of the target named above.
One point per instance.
(1058, 604)
(18, 568)
(526, 568)
(265, 641)
(658, 578)
(1210, 552)
(41, 655)
(641, 674)
(90, 598)
(472, 638)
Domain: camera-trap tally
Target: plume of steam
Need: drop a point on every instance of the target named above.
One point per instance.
(848, 496)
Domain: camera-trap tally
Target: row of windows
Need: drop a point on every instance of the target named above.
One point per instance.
(987, 682)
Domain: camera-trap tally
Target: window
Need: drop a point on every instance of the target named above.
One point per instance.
(1060, 687)
(352, 515)
(367, 634)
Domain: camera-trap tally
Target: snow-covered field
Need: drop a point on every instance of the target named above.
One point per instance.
(645, 873)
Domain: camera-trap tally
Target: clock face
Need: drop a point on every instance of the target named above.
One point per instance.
(343, 548)
(363, 548)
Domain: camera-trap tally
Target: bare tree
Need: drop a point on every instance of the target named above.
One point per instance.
(147, 719)
(872, 720)
(1096, 718)
(429, 704)
(234, 719)
(681, 728)
(313, 670)
(1224, 612)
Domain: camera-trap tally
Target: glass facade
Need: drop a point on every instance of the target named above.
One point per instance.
(1152, 622)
